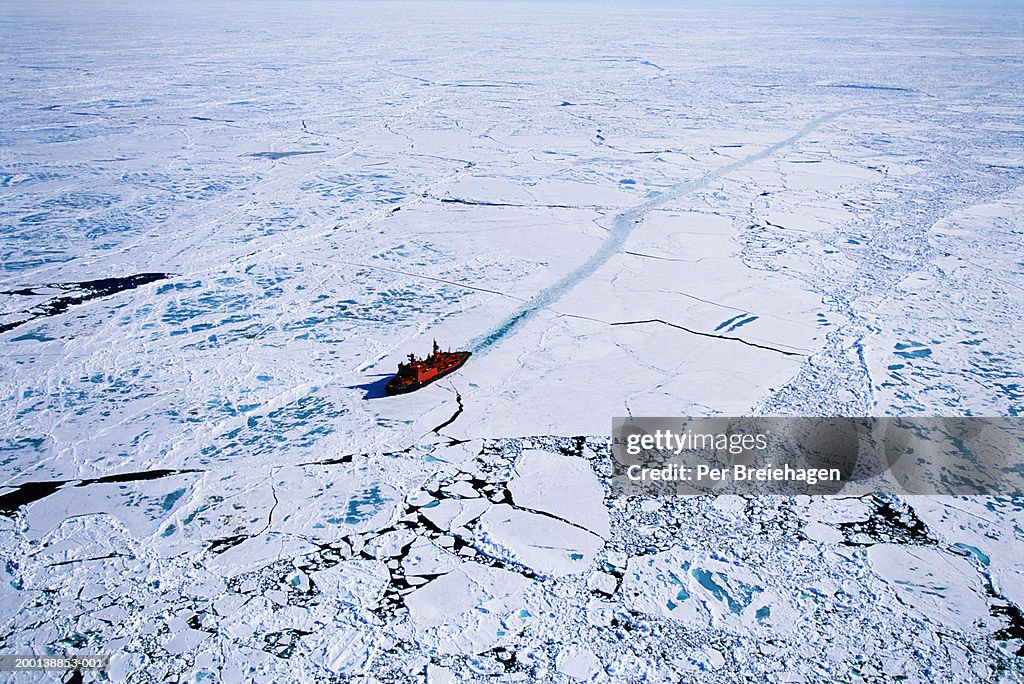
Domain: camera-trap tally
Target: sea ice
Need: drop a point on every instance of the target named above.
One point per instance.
(223, 229)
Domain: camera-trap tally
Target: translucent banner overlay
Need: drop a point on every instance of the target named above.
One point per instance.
(848, 456)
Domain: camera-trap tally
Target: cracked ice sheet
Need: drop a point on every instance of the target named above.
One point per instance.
(298, 206)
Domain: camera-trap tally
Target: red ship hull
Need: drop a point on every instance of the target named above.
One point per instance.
(416, 374)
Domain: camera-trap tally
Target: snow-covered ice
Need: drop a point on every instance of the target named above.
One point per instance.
(223, 226)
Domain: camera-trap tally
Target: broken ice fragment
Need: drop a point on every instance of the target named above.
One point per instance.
(544, 544)
(578, 662)
(563, 486)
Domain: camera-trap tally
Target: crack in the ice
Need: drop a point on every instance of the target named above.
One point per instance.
(662, 258)
(270, 515)
(458, 412)
(30, 492)
(707, 334)
(85, 560)
(555, 517)
(274, 156)
(484, 203)
(347, 458)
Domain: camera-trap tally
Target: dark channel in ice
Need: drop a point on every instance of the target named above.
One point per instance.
(75, 294)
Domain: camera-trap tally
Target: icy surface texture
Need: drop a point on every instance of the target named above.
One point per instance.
(223, 225)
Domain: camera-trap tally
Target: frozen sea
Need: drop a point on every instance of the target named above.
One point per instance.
(223, 224)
